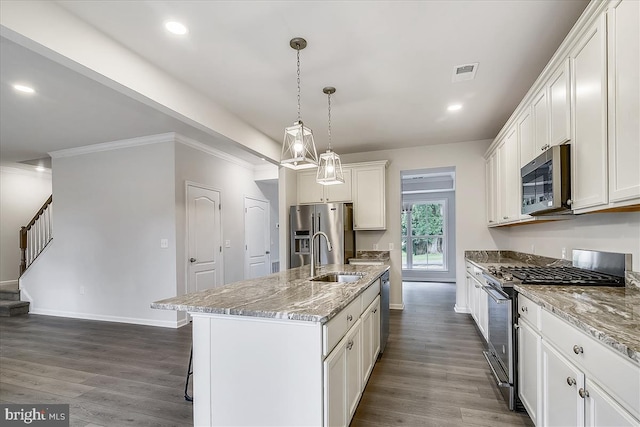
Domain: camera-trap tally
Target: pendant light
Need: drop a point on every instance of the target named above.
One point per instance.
(330, 167)
(298, 148)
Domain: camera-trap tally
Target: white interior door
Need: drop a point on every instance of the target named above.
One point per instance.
(204, 234)
(257, 238)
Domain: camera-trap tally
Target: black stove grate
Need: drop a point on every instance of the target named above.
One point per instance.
(562, 276)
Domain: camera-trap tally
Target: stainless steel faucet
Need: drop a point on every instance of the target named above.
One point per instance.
(313, 254)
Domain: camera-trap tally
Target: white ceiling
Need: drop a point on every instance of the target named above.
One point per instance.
(391, 62)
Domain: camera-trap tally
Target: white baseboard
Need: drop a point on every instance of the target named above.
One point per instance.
(461, 309)
(174, 324)
(396, 306)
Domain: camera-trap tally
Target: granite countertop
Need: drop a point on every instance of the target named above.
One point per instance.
(382, 256)
(285, 295)
(611, 315)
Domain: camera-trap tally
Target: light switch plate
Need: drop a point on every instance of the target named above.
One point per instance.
(375, 246)
(390, 246)
(164, 243)
(227, 243)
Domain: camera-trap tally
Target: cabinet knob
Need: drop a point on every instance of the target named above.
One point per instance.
(375, 310)
(524, 309)
(571, 381)
(192, 260)
(505, 217)
(583, 393)
(577, 349)
(350, 345)
(349, 318)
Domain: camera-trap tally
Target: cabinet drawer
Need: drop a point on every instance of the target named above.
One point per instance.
(529, 310)
(613, 372)
(336, 328)
(369, 295)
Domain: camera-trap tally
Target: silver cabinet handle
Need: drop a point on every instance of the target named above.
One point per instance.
(375, 310)
(350, 345)
(583, 393)
(192, 260)
(349, 318)
(577, 349)
(571, 381)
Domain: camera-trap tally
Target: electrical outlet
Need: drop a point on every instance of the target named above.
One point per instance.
(164, 243)
(227, 243)
(81, 290)
(390, 246)
(375, 246)
(533, 249)
(564, 253)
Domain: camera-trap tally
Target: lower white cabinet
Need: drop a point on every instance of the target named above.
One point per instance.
(370, 338)
(477, 300)
(354, 367)
(567, 378)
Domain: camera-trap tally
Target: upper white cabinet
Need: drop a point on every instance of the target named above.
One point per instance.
(560, 105)
(624, 101)
(540, 115)
(509, 177)
(589, 146)
(491, 183)
(309, 191)
(525, 137)
(369, 196)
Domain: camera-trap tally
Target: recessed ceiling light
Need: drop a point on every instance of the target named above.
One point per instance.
(176, 28)
(23, 88)
(454, 107)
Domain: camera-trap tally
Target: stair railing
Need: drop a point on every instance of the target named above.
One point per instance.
(36, 235)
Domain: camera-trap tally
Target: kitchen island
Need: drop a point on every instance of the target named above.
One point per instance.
(283, 349)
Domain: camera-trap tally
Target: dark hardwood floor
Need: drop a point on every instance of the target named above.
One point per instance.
(113, 374)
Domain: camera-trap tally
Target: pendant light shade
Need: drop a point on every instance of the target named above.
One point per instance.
(298, 147)
(330, 166)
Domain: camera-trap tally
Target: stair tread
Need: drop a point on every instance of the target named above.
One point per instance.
(7, 303)
(9, 291)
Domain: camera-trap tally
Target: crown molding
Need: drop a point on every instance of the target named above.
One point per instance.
(27, 171)
(213, 151)
(114, 145)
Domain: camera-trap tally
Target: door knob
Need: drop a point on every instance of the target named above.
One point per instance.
(267, 252)
(192, 260)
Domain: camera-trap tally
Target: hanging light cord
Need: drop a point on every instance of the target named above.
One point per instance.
(329, 131)
(298, 55)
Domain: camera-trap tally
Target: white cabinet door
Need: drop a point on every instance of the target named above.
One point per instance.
(602, 411)
(370, 338)
(339, 192)
(624, 100)
(540, 117)
(335, 387)
(483, 312)
(376, 330)
(354, 368)
(369, 197)
(560, 105)
(491, 178)
(512, 176)
(529, 361)
(589, 145)
(309, 191)
(525, 137)
(561, 380)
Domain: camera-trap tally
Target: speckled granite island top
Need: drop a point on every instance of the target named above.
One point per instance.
(285, 295)
(611, 315)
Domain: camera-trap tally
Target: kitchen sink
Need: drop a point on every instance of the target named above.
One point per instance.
(338, 277)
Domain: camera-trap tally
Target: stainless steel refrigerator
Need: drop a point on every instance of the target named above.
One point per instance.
(335, 219)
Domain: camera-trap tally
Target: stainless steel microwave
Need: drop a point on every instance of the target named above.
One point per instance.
(546, 182)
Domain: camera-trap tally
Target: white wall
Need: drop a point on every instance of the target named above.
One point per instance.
(105, 261)
(270, 191)
(610, 232)
(471, 229)
(22, 193)
(234, 181)
(287, 196)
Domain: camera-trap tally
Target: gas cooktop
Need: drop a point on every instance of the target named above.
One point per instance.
(561, 276)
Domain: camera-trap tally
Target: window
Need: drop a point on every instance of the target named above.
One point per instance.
(424, 236)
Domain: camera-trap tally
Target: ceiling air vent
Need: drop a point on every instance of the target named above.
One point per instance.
(464, 72)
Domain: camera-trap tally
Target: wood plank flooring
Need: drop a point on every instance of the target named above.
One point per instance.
(113, 374)
(432, 372)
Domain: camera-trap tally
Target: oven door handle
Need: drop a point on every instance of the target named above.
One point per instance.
(495, 295)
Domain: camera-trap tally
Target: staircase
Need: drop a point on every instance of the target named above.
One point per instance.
(10, 304)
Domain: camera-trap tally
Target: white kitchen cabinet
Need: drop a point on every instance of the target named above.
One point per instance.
(309, 191)
(477, 300)
(589, 104)
(602, 411)
(560, 105)
(525, 137)
(491, 182)
(369, 196)
(354, 367)
(623, 32)
(562, 406)
(509, 178)
(529, 361)
(370, 338)
(540, 120)
(335, 390)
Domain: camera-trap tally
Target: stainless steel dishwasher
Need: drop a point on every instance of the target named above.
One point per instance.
(385, 285)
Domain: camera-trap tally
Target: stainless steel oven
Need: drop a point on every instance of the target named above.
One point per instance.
(499, 354)
(546, 183)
